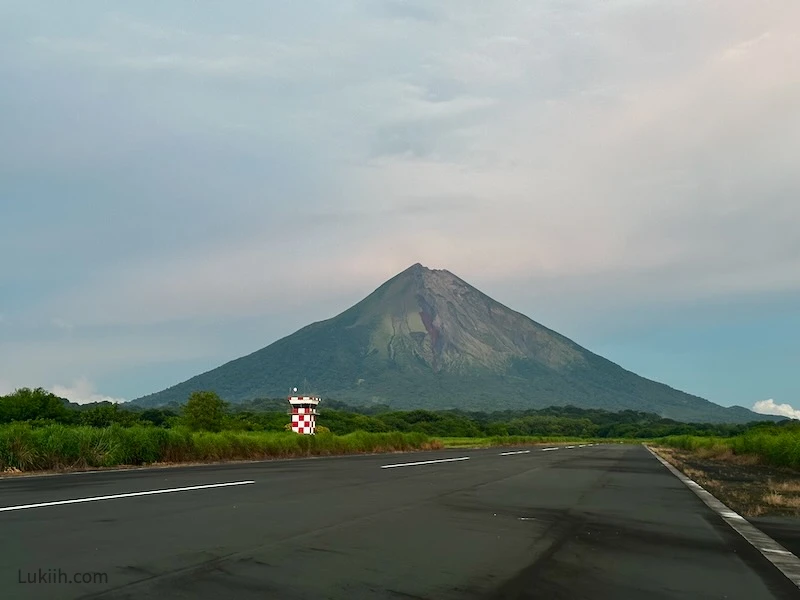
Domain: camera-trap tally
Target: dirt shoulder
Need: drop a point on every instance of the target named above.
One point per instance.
(768, 497)
(741, 482)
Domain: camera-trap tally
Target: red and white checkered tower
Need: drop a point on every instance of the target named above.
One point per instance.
(304, 413)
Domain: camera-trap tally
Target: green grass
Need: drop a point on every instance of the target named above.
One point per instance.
(61, 447)
(521, 440)
(772, 447)
(465, 442)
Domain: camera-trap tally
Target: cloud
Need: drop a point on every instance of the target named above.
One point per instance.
(205, 166)
(405, 9)
(62, 324)
(590, 169)
(82, 391)
(768, 407)
(35, 356)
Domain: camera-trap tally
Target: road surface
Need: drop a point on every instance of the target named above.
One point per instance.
(601, 521)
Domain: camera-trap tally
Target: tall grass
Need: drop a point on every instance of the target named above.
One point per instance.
(525, 440)
(772, 447)
(506, 440)
(59, 447)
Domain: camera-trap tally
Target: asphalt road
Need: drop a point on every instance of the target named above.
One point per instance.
(603, 521)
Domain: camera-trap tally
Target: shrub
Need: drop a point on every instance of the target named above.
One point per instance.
(56, 447)
(204, 411)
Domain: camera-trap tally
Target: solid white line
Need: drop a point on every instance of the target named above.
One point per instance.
(128, 495)
(519, 452)
(548, 449)
(424, 462)
(786, 562)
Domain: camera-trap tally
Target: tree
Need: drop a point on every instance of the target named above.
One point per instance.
(26, 404)
(107, 413)
(160, 417)
(204, 411)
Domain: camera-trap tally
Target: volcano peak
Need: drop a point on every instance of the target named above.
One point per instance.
(428, 339)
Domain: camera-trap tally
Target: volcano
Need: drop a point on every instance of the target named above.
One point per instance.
(428, 339)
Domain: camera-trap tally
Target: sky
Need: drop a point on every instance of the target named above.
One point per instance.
(184, 183)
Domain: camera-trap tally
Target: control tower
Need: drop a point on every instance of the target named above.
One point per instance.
(304, 413)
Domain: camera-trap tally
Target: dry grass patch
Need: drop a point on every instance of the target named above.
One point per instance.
(740, 481)
(783, 494)
(791, 486)
(727, 455)
(777, 500)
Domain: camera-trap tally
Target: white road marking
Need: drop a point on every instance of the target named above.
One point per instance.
(424, 462)
(729, 514)
(127, 495)
(582, 446)
(547, 449)
(570, 446)
(786, 562)
(519, 452)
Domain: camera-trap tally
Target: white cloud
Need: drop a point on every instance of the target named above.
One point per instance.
(82, 391)
(612, 154)
(590, 168)
(768, 407)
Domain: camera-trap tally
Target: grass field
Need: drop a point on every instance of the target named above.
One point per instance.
(487, 442)
(61, 447)
(778, 448)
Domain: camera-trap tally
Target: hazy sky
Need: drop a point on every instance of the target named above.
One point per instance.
(182, 183)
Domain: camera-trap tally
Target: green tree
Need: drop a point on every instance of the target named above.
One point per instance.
(26, 404)
(107, 413)
(161, 417)
(204, 411)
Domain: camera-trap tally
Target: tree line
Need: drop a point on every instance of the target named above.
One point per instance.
(205, 410)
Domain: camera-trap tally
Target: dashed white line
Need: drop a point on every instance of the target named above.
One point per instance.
(548, 449)
(582, 446)
(424, 462)
(126, 495)
(786, 562)
(518, 452)
(570, 446)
